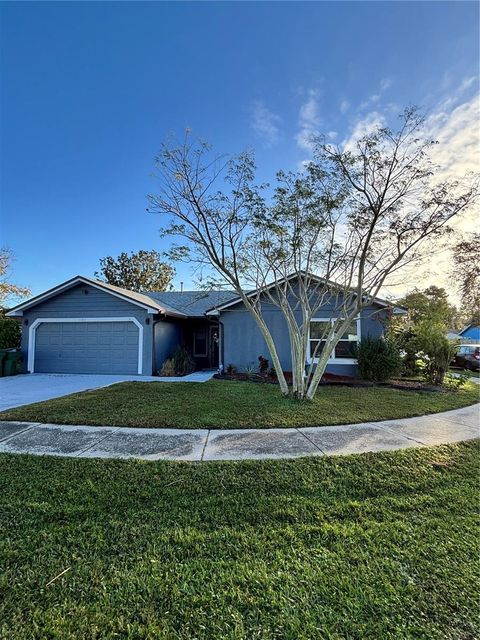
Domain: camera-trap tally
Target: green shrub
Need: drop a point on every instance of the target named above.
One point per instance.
(455, 382)
(378, 359)
(262, 365)
(183, 362)
(406, 342)
(10, 333)
(435, 351)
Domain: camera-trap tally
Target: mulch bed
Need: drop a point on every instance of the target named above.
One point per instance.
(331, 379)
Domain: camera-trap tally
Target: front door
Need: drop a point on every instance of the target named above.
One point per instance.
(214, 342)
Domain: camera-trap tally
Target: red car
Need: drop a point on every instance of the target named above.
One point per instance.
(468, 357)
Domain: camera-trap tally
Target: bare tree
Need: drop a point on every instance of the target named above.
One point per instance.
(466, 275)
(328, 237)
(7, 288)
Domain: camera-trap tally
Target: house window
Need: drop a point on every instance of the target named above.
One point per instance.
(344, 352)
(200, 342)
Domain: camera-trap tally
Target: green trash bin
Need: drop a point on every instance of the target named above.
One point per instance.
(12, 362)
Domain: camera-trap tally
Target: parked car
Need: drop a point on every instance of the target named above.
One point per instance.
(467, 357)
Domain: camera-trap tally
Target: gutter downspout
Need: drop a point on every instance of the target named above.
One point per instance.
(221, 365)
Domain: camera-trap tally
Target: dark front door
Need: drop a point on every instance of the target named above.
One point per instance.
(214, 341)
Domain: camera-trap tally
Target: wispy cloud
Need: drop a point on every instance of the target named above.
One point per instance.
(385, 83)
(454, 122)
(344, 106)
(265, 123)
(363, 126)
(308, 121)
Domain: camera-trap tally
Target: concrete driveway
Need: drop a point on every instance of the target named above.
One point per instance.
(16, 391)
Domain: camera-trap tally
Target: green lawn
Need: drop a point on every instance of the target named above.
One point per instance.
(378, 546)
(219, 404)
(472, 374)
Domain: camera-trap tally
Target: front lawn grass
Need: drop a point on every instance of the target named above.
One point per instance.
(221, 404)
(469, 372)
(375, 546)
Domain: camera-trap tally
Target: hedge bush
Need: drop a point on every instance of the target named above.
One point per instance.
(10, 333)
(378, 359)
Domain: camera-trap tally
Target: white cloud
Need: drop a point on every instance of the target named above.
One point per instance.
(469, 82)
(375, 97)
(385, 83)
(308, 121)
(455, 125)
(331, 135)
(458, 135)
(265, 123)
(344, 106)
(458, 152)
(362, 127)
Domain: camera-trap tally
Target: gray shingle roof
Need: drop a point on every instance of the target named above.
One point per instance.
(192, 303)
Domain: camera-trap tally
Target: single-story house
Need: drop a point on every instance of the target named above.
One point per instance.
(86, 326)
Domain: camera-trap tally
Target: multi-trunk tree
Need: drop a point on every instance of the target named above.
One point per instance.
(329, 236)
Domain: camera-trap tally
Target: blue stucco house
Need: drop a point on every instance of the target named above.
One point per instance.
(86, 326)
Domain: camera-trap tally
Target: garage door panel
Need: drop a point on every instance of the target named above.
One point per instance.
(87, 347)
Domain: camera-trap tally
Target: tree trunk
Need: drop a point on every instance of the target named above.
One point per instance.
(271, 348)
(331, 342)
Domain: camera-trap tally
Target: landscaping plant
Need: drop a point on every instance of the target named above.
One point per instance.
(435, 352)
(10, 333)
(378, 359)
(168, 369)
(262, 365)
(183, 362)
(455, 382)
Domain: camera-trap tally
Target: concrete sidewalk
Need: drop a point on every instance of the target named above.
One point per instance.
(238, 444)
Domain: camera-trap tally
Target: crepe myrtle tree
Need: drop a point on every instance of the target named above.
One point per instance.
(332, 234)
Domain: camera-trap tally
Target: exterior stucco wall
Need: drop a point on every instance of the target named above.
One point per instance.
(85, 301)
(168, 334)
(243, 342)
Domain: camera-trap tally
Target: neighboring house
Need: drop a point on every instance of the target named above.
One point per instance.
(86, 326)
(453, 335)
(470, 334)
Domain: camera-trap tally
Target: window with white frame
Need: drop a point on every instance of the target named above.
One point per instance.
(345, 349)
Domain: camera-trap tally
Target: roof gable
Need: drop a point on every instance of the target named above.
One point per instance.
(138, 299)
(237, 299)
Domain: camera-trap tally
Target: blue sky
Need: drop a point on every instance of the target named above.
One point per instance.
(89, 90)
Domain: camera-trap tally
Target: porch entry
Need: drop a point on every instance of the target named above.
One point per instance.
(206, 340)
